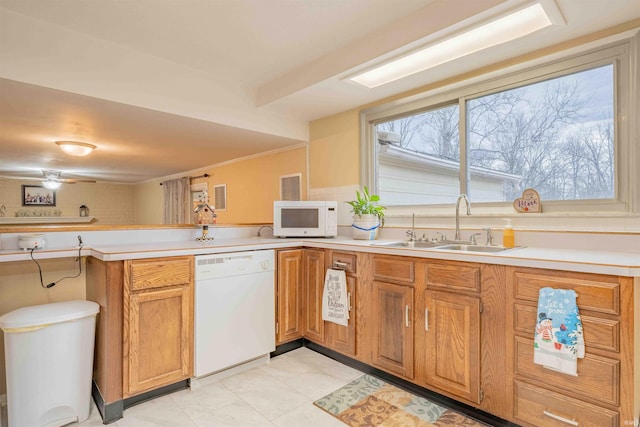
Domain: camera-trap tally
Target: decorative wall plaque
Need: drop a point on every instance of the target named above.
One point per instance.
(529, 202)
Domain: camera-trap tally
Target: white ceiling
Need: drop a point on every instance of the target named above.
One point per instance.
(169, 86)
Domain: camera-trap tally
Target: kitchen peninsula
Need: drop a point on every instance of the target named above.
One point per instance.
(488, 298)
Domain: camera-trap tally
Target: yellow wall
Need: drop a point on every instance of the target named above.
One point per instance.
(20, 287)
(253, 185)
(148, 203)
(109, 203)
(334, 150)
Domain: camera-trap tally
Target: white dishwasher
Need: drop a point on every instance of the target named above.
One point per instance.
(234, 309)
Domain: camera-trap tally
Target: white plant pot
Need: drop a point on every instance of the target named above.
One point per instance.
(365, 227)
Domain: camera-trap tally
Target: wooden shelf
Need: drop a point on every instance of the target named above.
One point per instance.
(46, 219)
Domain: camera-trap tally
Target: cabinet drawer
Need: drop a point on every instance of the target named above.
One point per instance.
(453, 276)
(159, 272)
(603, 334)
(342, 261)
(595, 292)
(598, 377)
(393, 269)
(540, 407)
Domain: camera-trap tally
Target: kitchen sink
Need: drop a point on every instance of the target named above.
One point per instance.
(474, 248)
(444, 245)
(406, 244)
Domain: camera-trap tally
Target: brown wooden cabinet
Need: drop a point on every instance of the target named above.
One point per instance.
(338, 337)
(313, 261)
(289, 291)
(448, 339)
(391, 314)
(158, 323)
(601, 393)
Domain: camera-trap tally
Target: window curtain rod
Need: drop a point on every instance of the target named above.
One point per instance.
(206, 175)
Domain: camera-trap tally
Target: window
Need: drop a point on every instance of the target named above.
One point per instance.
(552, 128)
(555, 136)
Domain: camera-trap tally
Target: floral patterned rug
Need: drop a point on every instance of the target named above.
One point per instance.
(368, 401)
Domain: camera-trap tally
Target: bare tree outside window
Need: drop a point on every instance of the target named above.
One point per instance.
(556, 136)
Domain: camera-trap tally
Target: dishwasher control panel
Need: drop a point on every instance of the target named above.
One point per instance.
(231, 264)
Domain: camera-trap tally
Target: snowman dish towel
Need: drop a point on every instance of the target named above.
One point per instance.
(335, 305)
(558, 340)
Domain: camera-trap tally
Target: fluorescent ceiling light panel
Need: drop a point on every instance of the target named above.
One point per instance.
(500, 30)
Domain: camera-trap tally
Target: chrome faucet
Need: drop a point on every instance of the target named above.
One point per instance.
(264, 226)
(412, 233)
(461, 197)
(489, 236)
(472, 238)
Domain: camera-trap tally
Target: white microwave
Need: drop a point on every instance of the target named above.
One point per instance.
(312, 218)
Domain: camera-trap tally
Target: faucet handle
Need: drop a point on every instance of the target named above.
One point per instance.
(489, 241)
(443, 237)
(472, 238)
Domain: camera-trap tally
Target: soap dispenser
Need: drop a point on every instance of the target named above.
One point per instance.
(508, 238)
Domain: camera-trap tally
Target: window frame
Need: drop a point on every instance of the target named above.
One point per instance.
(623, 56)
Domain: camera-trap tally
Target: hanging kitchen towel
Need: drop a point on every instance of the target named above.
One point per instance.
(335, 306)
(558, 340)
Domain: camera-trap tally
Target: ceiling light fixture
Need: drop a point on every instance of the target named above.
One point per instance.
(51, 184)
(499, 30)
(52, 181)
(76, 148)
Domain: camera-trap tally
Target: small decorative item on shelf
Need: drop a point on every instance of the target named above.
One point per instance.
(84, 211)
(204, 215)
(368, 215)
(529, 202)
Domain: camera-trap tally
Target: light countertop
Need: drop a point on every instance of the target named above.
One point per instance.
(588, 261)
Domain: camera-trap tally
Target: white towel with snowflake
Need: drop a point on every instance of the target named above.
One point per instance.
(558, 340)
(335, 304)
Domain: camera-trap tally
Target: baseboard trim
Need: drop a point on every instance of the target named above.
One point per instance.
(149, 395)
(288, 346)
(470, 411)
(110, 412)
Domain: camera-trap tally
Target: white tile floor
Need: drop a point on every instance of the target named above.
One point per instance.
(280, 393)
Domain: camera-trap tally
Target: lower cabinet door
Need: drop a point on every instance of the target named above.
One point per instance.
(343, 338)
(313, 284)
(452, 343)
(393, 328)
(289, 322)
(158, 345)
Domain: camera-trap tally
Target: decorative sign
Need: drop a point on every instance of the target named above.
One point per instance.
(529, 202)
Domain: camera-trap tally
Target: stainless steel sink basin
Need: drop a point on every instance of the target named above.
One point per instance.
(474, 248)
(406, 244)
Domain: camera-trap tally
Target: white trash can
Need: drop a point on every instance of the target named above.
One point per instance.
(49, 362)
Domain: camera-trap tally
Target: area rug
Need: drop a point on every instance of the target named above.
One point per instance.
(368, 402)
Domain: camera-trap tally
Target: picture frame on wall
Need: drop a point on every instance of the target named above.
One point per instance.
(37, 195)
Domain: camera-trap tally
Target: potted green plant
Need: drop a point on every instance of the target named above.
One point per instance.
(368, 215)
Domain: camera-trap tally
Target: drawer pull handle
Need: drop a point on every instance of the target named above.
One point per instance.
(426, 319)
(349, 299)
(406, 315)
(559, 418)
(338, 265)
